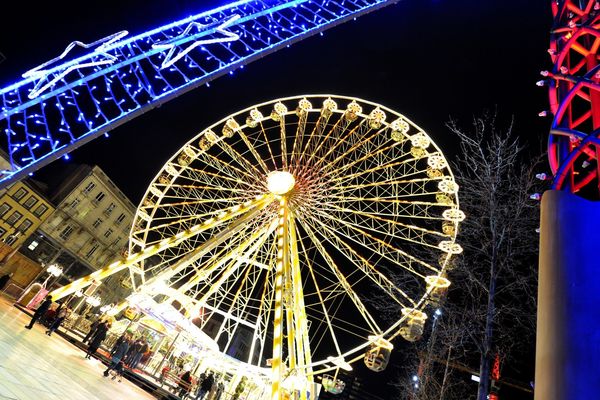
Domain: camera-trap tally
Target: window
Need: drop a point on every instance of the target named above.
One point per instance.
(74, 203)
(20, 193)
(4, 209)
(14, 218)
(11, 239)
(108, 233)
(90, 186)
(2, 232)
(25, 225)
(120, 219)
(117, 240)
(92, 251)
(33, 245)
(42, 208)
(30, 202)
(99, 197)
(109, 209)
(66, 232)
(97, 223)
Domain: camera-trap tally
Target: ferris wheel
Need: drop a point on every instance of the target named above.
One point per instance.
(290, 221)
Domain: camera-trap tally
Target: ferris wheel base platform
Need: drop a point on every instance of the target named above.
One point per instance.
(568, 322)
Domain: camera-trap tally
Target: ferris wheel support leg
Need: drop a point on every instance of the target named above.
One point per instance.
(568, 321)
(282, 265)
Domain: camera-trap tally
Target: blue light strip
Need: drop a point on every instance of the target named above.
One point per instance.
(63, 104)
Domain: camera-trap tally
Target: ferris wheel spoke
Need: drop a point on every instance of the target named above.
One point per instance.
(268, 145)
(321, 301)
(259, 160)
(388, 226)
(351, 294)
(233, 228)
(358, 131)
(202, 275)
(338, 129)
(404, 168)
(376, 244)
(366, 267)
(309, 149)
(236, 309)
(338, 171)
(283, 134)
(224, 174)
(302, 113)
(247, 169)
(236, 256)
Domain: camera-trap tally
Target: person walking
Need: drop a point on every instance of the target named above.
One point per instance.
(40, 311)
(93, 330)
(118, 355)
(62, 314)
(205, 386)
(97, 339)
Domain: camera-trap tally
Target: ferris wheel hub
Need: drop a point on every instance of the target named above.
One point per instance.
(280, 182)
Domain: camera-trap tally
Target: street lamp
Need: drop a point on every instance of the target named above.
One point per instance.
(53, 270)
(93, 301)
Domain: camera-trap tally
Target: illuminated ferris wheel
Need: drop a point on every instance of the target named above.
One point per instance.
(284, 221)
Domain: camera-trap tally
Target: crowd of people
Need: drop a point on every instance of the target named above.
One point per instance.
(126, 352)
(49, 316)
(204, 388)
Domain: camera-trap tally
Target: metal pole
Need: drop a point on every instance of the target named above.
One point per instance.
(168, 353)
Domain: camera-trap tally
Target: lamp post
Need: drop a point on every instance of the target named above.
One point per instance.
(53, 270)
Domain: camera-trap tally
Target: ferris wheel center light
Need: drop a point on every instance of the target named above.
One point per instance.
(280, 182)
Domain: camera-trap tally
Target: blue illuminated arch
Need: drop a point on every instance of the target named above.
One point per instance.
(65, 103)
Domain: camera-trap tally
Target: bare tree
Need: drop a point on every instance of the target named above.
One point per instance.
(490, 309)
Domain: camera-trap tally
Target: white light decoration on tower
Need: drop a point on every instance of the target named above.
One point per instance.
(280, 182)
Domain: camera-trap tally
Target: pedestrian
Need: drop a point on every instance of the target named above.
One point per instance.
(4, 279)
(220, 390)
(205, 386)
(120, 339)
(40, 311)
(49, 315)
(135, 354)
(97, 339)
(93, 329)
(63, 313)
(145, 348)
(118, 355)
(185, 384)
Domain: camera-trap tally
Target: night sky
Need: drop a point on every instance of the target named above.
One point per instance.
(427, 59)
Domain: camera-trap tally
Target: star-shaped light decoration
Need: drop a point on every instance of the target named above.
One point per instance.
(203, 31)
(41, 72)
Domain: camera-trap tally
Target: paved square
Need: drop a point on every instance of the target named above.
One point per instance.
(34, 366)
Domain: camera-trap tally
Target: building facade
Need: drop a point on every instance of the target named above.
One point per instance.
(88, 230)
(23, 207)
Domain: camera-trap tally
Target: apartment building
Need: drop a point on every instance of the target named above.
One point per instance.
(88, 230)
